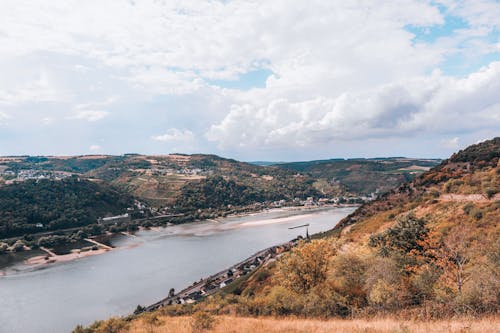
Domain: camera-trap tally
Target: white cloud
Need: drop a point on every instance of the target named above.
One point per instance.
(452, 143)
(212, 39)
(175, 135)
(341, 70)
(39, 88)
(95, 148)
(3, 117)
(435, 104)
(90, 115)
(47, 121)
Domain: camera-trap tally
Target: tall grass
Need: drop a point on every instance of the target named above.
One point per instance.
(228, 324)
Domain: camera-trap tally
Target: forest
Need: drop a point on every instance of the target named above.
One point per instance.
(47, 205)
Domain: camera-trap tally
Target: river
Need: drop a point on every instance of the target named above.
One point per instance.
(141, 270)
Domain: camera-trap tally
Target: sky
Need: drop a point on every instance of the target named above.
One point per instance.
(278, 80)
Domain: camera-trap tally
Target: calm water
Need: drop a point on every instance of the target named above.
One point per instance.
(142, 269)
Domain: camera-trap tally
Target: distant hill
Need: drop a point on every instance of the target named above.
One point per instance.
(265, 163)
(361, 176)
(41, 190)
(165, 180)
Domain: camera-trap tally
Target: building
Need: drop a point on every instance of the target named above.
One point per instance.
(114, 219)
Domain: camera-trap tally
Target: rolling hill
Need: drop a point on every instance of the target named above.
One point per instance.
(361, 176)
(165, 180)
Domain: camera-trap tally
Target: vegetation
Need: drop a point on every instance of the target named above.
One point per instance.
(217, 192)
(182, 324)
(426, 251)
(361, 176)
(46, 205)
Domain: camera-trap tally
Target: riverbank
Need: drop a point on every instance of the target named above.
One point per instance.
(141, 270)
(37, 260)
(59, 258)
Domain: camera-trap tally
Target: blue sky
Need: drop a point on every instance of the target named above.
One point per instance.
(252, 80)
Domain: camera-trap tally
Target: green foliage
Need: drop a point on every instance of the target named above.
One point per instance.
(215, 192)
(219, 192)
(404, 237)
(67, 203)
(361, 176)
(487, 151)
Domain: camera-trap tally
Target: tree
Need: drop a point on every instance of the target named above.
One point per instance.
(452, 256)
(306, 266)
(405, 237)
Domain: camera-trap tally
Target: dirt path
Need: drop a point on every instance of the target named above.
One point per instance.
(468, 197)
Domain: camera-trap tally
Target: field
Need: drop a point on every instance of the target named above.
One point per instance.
(228, 324)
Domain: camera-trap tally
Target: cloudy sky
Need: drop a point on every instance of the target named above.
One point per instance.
(252, 80)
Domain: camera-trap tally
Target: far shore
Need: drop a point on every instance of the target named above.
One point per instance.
(52, 258)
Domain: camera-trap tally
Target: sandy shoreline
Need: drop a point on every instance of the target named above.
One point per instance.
(75, 254)
(275, 220)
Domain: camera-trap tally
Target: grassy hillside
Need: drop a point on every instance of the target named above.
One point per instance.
(427, 250)
(230, 324)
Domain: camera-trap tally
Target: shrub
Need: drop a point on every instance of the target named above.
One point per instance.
(489, 192)
(306, 266)
(202, 321)
(404, 237)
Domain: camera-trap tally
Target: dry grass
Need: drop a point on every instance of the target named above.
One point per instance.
(227, 324)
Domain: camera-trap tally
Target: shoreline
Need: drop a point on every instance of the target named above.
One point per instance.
(39, 261)
(59, 258)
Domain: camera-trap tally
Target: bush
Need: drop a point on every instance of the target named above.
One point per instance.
(476, 213)
(489, 192)
(202, 321)
(404, 237)
(306, 266)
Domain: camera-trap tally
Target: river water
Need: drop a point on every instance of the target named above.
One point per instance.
(57, 297)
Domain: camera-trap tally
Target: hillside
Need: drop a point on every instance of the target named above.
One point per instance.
(361, 176)
(44, 205)
(173, 180)
(167, 180)
(427, 250)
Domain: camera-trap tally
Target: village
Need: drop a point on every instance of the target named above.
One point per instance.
(216, 282)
